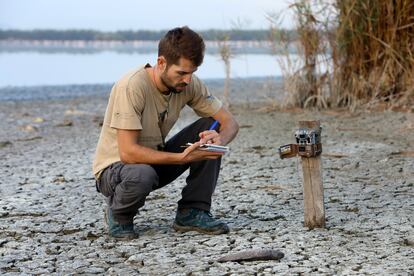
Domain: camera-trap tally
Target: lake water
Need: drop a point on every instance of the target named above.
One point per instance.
(30, 68)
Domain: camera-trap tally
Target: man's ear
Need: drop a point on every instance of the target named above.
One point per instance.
(162, 63)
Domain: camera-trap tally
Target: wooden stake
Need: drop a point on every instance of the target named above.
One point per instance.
(312, 185)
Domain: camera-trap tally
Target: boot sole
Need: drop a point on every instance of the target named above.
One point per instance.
(182, 229)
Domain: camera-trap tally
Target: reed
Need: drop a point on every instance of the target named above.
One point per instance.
(281, 42)
(366, 50)
(226, 56)
(374, 44)
(304, 83)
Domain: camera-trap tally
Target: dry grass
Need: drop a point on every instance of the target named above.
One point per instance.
(375, 43)
(226, 55)
(304, 82)
(367, 50)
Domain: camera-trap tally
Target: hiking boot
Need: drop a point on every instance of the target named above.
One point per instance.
(193, 219)
(117, 230)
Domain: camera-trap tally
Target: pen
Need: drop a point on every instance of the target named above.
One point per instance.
(213, 125)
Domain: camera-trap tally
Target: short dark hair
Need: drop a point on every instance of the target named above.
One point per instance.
(182, 42)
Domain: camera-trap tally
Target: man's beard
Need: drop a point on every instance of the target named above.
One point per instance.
(168, 84)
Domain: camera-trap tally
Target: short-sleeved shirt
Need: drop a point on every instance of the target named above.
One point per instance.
(136, 104)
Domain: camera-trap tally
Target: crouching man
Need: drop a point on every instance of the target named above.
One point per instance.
(132, 157)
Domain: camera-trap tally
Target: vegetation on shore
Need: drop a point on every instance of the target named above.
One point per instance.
(91, 35)
(352, 53)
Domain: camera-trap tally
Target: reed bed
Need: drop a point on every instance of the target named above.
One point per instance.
(366, 50)
(375, 44)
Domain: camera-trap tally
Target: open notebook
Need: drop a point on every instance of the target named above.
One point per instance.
(211, 147)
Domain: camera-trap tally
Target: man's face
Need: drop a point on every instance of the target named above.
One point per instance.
(177, 76)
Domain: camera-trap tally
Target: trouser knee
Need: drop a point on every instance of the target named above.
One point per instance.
(137, 180)
(203, 124)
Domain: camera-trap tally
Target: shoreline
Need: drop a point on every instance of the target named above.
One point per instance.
(258, 86)
(134, 46)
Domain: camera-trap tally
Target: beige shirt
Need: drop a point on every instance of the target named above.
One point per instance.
(135, 103)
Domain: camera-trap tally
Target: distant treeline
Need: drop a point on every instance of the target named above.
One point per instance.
(91, 35)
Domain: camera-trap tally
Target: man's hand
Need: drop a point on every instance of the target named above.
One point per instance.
(193, 153)
(227, 132)
(210, 137)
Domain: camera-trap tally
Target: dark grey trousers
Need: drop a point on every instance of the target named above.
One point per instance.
(127, 185)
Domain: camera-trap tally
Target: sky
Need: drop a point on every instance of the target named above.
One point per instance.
(113, 15)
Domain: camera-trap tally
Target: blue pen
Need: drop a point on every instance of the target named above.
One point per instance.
(213, 125)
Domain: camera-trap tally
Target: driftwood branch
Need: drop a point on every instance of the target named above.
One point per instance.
(253, 255)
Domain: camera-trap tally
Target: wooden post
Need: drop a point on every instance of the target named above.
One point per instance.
(312, 185)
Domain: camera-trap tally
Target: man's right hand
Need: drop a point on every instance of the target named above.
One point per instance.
(193, 153)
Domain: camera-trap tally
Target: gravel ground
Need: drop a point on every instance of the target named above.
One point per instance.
(51, 218)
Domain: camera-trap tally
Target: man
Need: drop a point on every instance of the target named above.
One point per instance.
(132, 158)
